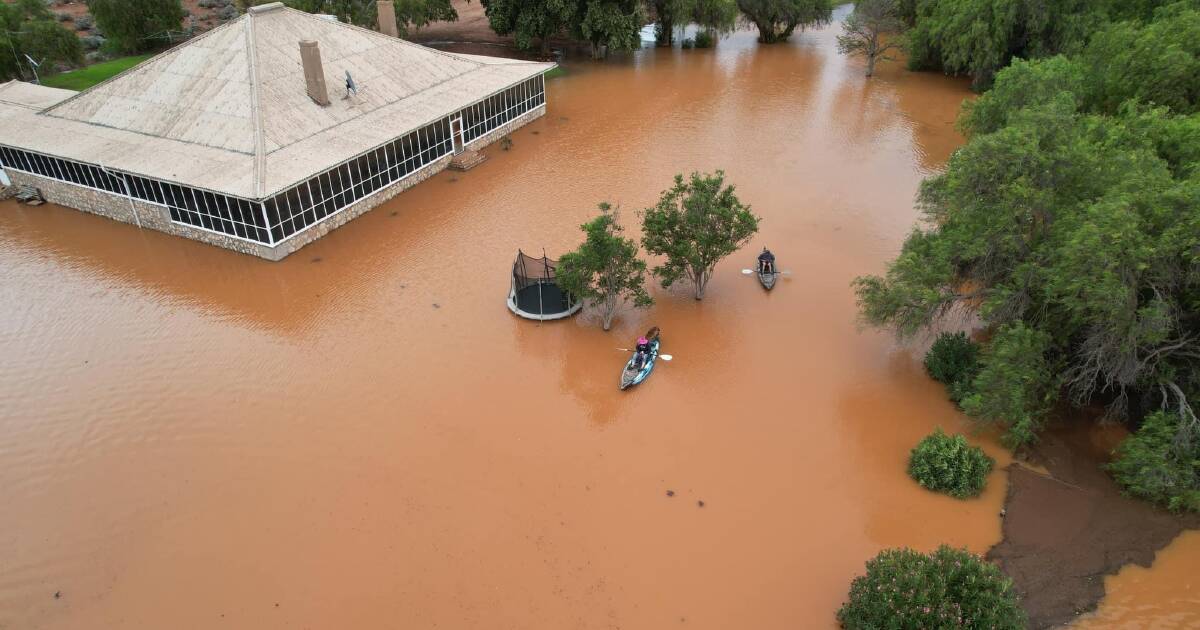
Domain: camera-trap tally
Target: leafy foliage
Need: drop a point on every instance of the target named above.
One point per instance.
(27, 27)
(1154, 465)
(605, 269)
(953, 360)
(1155, 63)
(716, 16)
(948, 464)
(612, 25)
(949, 588)
(133, 26)
(695, 224)
(529, 20)
(872, 30)
(979, 37)
(777, 19)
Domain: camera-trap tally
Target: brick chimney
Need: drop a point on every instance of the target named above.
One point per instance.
(387, 18)
(314, 72)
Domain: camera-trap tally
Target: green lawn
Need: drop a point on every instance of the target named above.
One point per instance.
(85, 78)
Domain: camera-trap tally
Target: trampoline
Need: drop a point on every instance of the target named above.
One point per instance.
(534, 294)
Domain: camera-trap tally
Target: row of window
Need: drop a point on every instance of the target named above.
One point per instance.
(299, 207)
(304, 205)
(218, 213)
(499, 109)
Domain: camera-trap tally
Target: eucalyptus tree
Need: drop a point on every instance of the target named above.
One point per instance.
(27, 27)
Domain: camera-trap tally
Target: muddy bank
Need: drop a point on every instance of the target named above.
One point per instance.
(1067, 526)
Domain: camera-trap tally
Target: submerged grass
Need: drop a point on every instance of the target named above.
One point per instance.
(85, 78)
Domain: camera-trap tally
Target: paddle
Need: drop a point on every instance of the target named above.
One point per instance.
(787, 272)
(664, 357)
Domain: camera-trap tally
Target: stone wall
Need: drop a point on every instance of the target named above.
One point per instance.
(159, 218)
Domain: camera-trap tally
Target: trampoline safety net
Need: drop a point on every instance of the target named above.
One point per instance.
(535, 288)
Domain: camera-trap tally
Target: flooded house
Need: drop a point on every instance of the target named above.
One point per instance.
(266, 133)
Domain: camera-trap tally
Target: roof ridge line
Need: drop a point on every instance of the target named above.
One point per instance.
(260, 156)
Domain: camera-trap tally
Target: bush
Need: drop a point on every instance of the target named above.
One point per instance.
(953, 360)
(1154, 465)
(92, 42)
(704, 39)
(688, 43)
(948, 464)
(84, 22)
(949, 588)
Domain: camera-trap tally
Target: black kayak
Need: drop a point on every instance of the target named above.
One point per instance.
(768, 279)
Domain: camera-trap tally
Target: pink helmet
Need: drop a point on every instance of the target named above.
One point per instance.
(642, 340)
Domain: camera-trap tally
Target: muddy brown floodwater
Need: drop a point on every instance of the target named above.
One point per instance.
(362, 436)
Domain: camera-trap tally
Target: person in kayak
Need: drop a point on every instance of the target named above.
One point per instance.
(643, 352)
(766, 261)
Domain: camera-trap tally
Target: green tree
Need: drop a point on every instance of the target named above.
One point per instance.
(605, 270)
(27, 27)
(777, 19)
(612, 25)
(137, 25)
(1156, 465)
(1156, 63)
(949, 588)
(872, 30)
(979, 37)
(714, 16)
(695, 224)
(529, 20)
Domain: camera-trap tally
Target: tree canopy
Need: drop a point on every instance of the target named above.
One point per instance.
(27, 27)
(777, 19)
(605, 270)
(137, 25)
(695, 224)
(1068, 227)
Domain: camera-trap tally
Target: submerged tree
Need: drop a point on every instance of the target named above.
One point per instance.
(871, 31)
(612, 25)
(777, 19)
(712, 16)
(695, 224)
(27, 27)
(605, 270)
(137, 25)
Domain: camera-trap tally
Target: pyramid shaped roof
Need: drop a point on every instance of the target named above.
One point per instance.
(229, 111)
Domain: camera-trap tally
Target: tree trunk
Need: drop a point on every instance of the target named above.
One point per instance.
(665, 35)
(701, 282)
(870, 66)
(610, 309)
(545, 46)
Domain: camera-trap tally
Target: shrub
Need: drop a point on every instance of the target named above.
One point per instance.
(948, 464)
(704, 39)
(953, 360)
(84, 22)
(688, 43)
(92, 42)
(1154, 465)
(949, 588)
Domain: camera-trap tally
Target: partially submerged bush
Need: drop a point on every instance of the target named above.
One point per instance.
(949, 588)
(704, 39)
(1155, 465)
(948, 464)
(953, 360)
